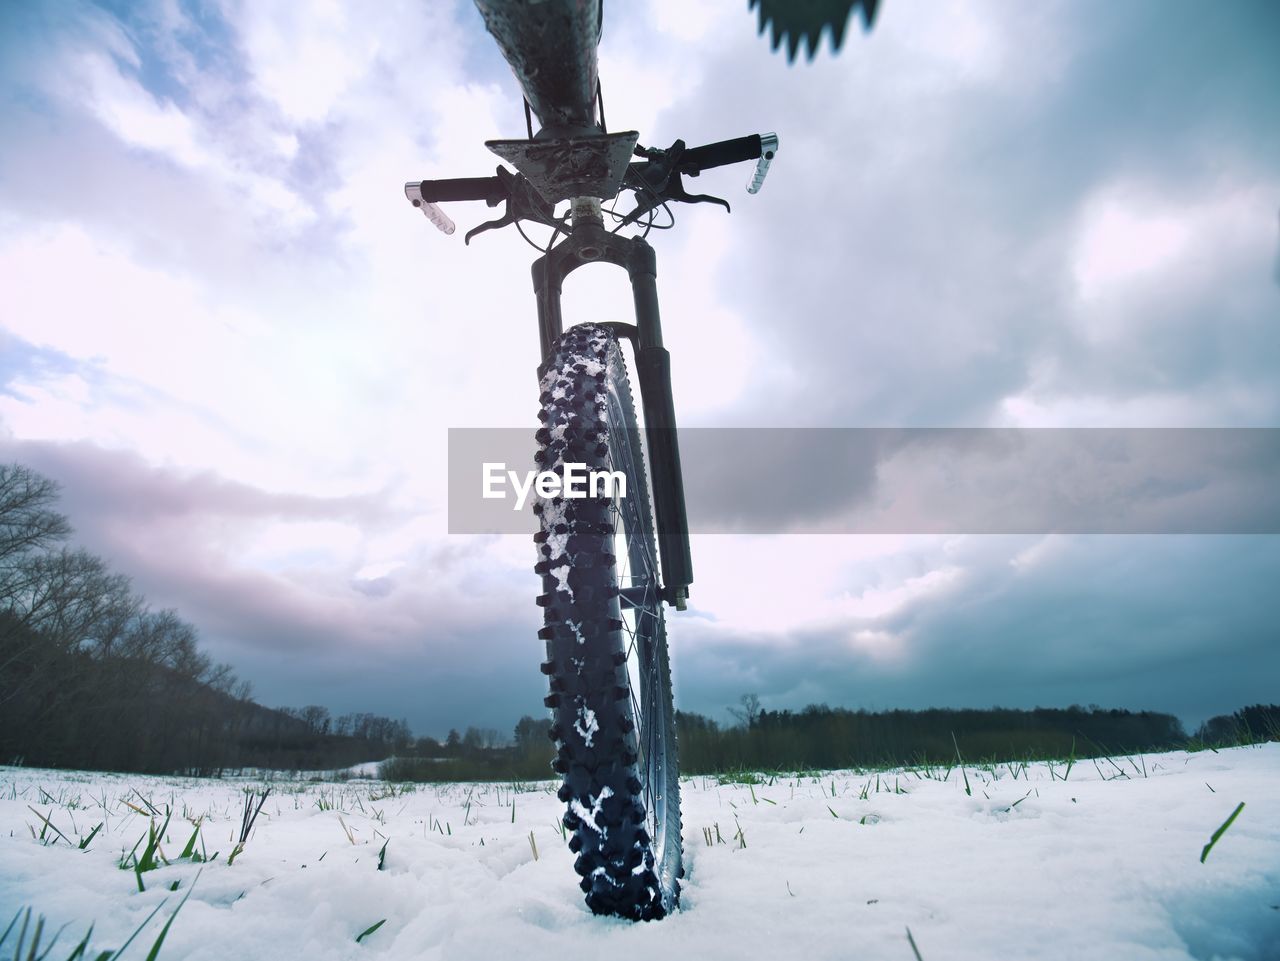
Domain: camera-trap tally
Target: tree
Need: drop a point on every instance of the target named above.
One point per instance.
(90, 676)
(64, 594)
(427, 747)
(532, 735)
(749, 713)
(27, 521)
(478, 739)
(316, 718)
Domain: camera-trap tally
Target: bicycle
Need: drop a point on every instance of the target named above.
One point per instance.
(607, 569)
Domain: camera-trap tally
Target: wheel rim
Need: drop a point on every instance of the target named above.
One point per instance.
(640, 599)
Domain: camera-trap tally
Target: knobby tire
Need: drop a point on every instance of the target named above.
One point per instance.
(610, 680)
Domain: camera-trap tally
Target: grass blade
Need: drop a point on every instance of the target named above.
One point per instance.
(4, 937)
(914, 950)
(155, 948)
(49, 824)
(138, 930)
(251, 812)
(369, 930)
(191, 844)
(85, 842)
(967, 789)
(80, 949)
(1221, 831)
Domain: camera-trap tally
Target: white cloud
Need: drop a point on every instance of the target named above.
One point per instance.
(96, 68)
(1046, 405)
(1134, 238)
(879, 646)
(1041, 552)
(879, 602)
(1122, 243)
(134, 115)
(304, 58)
(692, 21)
(821, 582)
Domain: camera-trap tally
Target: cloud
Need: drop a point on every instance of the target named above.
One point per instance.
(1276, 272)
(1162, 623)
(920, 214)
(274, 580)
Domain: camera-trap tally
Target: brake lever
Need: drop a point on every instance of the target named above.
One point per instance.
(659, 182)
(523, 202)
(675, 191)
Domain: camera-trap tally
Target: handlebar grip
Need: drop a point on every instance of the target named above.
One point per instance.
(488, 189)
(722, 153)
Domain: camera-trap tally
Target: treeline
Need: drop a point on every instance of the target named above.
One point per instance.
(821, 737)
(1258, 722)
(481, 754)
(310, 739)
(91, 676)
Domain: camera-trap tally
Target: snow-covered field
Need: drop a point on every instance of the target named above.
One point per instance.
(1103, 864)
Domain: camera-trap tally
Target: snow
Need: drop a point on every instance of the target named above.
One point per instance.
(561, 572)
(586, 725)
(1102, 865)
(589, 814)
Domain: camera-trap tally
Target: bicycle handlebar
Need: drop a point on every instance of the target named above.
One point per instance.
(488, 189)
(758, 147)
(722, 153)
(659, 179)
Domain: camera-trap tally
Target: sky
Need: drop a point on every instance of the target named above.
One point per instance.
(230, 339)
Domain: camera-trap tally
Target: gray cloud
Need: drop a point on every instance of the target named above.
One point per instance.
(100, 483)
(1276, 272)
(1176, 624)
(492, 686)
(157, 526)
(447, 639)
(920, 237)
(1180, 624)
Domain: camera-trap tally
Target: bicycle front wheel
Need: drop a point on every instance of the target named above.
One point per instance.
(610, 679)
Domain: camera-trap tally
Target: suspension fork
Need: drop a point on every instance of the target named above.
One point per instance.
(590, 243)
